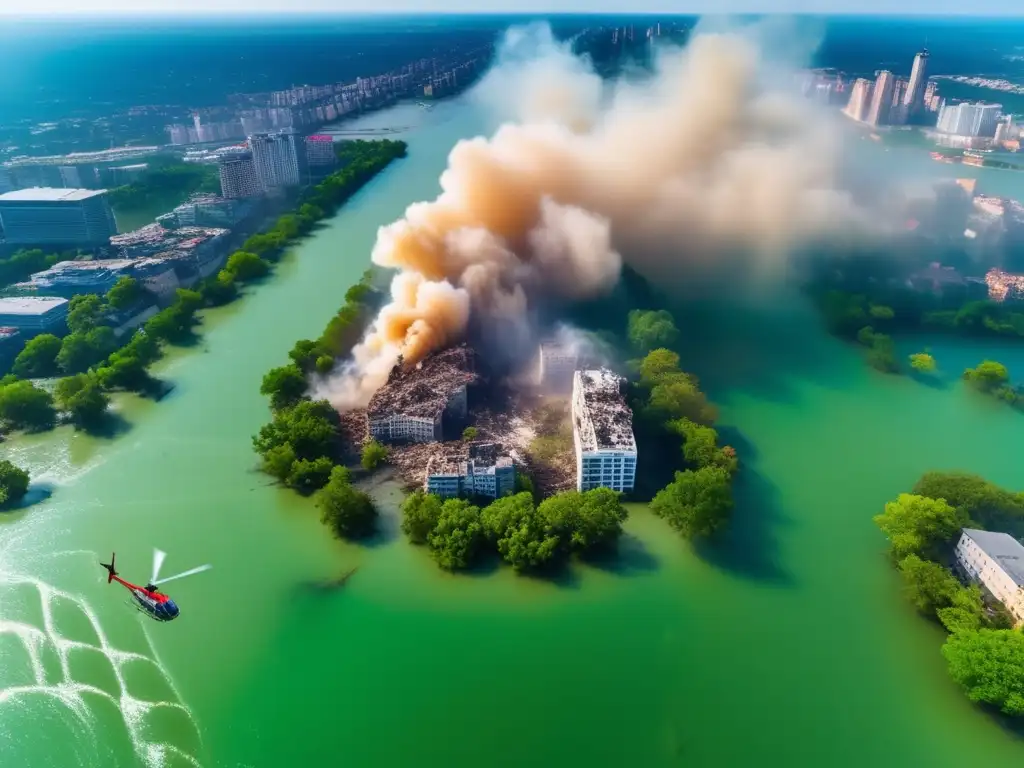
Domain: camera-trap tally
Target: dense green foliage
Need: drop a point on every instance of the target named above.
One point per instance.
(469, 434)
(307, 431)
(985, 656)
(285, 386)
(13, 482)
(919, 525)
(922, 362)
(39, 357)
(650, 330)
(81, 397)
(989, 664)
(245, 267)
(26, 406)
(527, 536)
(697, 503)
(346, 510)
(125, 294)
(881, 353)
(163, 187)
(374, 454)
(21, 265)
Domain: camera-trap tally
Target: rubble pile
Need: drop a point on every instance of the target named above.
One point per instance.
(425, 388)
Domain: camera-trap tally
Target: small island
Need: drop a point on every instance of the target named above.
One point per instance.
(953, 541)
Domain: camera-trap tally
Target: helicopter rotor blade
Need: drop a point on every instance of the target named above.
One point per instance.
(158, 561)
(191, 572)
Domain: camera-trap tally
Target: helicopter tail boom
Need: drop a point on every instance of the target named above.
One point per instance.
(110, 568)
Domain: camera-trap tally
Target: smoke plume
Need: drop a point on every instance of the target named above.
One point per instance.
(708, 159)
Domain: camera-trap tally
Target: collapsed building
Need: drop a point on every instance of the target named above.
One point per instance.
(417, 401)
(602, 431)
(481, 471)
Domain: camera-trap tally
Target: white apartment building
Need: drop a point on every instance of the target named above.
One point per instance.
(996, 561)
(558, 364)
(238, 177)
(602, 432)
(276, 156)
(484, 473)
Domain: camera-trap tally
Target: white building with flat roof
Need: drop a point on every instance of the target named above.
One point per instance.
(602, 432)
(996, 561)
(33, 315)
(484, 473)
(45, 216)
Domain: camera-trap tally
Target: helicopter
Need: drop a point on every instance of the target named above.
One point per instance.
(148, 599)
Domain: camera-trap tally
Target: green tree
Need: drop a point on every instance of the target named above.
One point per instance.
(524, 539)
(881, 312)
(285, 386)
(658, 363)
(966, 611)
(700, 446)
(125, 293)
(649, 330)
(246, 266)
(697, 503)
(311, 428)
(922, 362)
(469, 434)
(347, 511)
(678, 396)
(82, 398)
(917, 525)
(25, 406)
(928, 585)
(278, 461)
(220, 290)
(455, 542)
(85, 312)
(989, 665)
(975, 498)
(585, 521)
(374, 454)
(305, 353)
(307, 476)
(420, 513)
(988, 376)
(324, 364)
(39, 357)
(82, 350)
(13, 482)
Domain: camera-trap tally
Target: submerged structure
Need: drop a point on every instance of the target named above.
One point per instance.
(484, 472)
(602, 432)
(416, 400)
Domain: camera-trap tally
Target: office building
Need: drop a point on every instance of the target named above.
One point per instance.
(238, 177)
(276, 156)
(914, 97)
(860, 99)
(996, 562)
(602, 432)
(69, 218)
(320, 151)
(33, 315)
(971, 120)
(484, 473)
(881, 98)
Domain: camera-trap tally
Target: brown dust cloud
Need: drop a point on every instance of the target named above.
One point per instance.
(713, 152)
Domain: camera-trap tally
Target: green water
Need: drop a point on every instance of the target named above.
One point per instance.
(790, 646)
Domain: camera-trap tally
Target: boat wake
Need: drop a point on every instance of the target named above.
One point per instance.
(70, 696)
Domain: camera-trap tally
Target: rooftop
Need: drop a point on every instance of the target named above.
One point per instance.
(50, 195)
(30, 305)
(1002, 548)
(424, 389)
(607, 422)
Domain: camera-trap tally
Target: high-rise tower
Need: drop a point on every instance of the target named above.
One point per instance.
(913, 99)
(881, 99)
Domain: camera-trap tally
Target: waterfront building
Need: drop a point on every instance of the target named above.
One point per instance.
(881, 98)
(238, 177)
(484, 473)
(602, 432)
(970, 120)
(73, 278)
(69, 218)
(860, 99)
(996, 562)
(320, 151)
(276, 156)
(33, 315)
(914, 97)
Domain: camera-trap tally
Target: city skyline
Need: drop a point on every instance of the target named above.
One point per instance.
(922, 8)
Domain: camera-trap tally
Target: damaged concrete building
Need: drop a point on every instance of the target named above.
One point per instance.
(602, 432)
(558, 363)
(417, 400)
(484, 472)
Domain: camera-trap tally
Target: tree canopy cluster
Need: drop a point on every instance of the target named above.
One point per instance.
(984, 654)
(993, 379)
(532, 538)
(287, 386)
(347, 511)
(163, 187)
(922, 362)
(13, 483)
(881, 354)
(21, 265)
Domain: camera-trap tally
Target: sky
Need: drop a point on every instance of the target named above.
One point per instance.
(251, 7)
